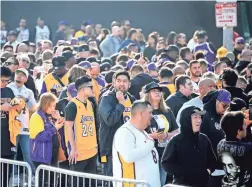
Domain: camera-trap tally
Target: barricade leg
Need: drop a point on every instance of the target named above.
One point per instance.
(6, 170)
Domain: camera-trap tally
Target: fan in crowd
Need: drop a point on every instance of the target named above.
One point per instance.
(104, 101)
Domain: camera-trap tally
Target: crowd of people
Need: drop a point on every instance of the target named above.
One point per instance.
(162, 110)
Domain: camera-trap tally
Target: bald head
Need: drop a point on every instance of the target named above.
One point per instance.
(206, 85)
(22, 48)
(116, 30)
(178, 70)
(246, 55)
(95, 70)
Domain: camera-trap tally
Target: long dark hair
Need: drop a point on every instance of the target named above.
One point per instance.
(170, 38)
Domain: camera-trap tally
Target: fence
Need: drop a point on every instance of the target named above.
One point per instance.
(20, 176)
(65, 178)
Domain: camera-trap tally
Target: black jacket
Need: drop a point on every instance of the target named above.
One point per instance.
(176, 101)
(31, 85)
(111, 118)
(188, 155)
(211, 120)
(238, 92)
(138, 82)
(241, 65)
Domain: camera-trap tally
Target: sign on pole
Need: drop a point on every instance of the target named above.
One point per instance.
(226, 14)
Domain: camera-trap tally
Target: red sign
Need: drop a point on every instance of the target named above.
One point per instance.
(226, 14)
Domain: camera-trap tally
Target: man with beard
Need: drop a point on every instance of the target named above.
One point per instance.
(229, 79)
(114, 110)
(216, 104)
(55, 81)
(194, 67)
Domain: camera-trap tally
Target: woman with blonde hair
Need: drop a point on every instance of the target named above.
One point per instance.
(163, 124)
(45, 145)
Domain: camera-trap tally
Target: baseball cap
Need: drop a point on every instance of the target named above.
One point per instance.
(72, 90)
(87, 22)
(237, 104)
(12, 33)
(68, 54)
(224, 96)
(221, 52)
(12, 60)
(58, 62)
(63, 23)
(24, 71)
(152, 86)
(197, 110)
(201, 34)
(83, 48)
(130, 63)
(74, 41)
(85, 64)
(239, 40)
(105, 66)
(152, 67)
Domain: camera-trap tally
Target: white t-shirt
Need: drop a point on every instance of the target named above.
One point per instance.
(27, 94)
(135, 156)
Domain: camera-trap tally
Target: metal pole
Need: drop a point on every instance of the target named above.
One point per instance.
(228, 38)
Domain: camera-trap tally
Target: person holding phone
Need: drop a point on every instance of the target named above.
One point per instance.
(163, 124)
(44, 137)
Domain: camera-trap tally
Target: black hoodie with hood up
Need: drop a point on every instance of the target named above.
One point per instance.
(188, 155)
(211, 120)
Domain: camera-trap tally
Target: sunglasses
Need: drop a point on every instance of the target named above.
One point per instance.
(240, 43)
(6, 81)
(90, 86)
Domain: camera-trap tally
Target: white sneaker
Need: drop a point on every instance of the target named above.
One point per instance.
(16, 181)
(33, 181)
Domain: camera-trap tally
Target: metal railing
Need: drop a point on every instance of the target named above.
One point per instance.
(23, 176)
(45, 174)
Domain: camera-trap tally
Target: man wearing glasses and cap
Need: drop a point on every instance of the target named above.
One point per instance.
(238, 47)
(55, 81)
(216, 104)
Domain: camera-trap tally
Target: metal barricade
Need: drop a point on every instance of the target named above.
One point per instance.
(8, 177)
(52, 176)
(173, 185)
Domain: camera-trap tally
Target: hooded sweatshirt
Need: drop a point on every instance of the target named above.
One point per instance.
(189, 170)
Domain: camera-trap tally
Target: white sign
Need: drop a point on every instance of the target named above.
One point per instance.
(226, 14)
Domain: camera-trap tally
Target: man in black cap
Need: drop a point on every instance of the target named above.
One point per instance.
(55, 81)
(70, 58)
(172, 53)
(83, 53)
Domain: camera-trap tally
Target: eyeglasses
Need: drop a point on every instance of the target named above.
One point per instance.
(225, 105)
(87, 86)
(6, 81)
